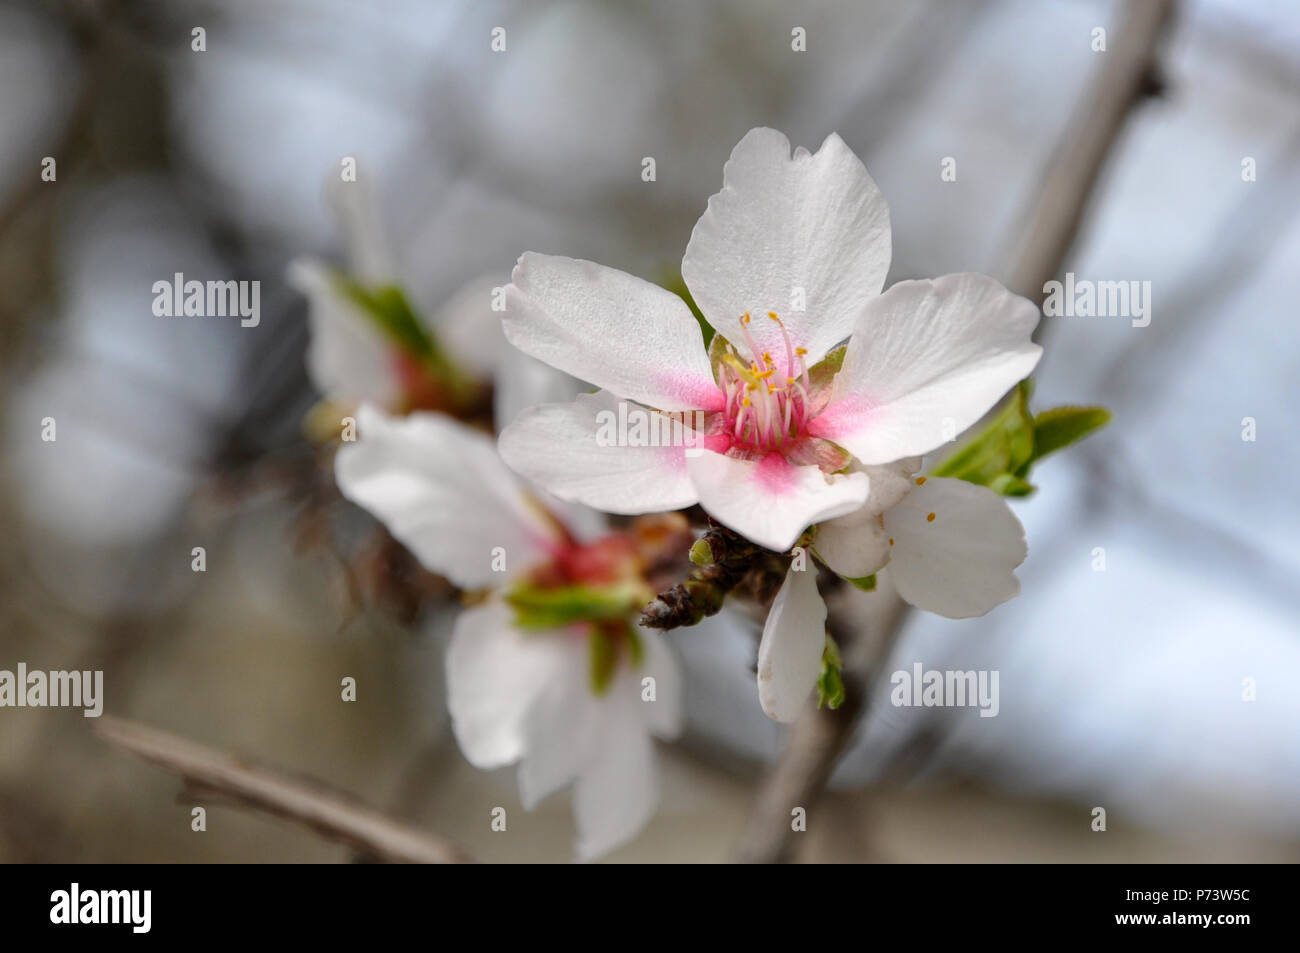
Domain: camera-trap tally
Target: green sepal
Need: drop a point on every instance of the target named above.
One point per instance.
(830, 684)
(388, 307)
(1005, 445)
(552, 608)
(390, 310)
(865, 583)
(1008, 484)
(823, 372)
(603, 657)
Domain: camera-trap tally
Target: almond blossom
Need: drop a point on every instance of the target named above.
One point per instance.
(548, 669)
(787, 261)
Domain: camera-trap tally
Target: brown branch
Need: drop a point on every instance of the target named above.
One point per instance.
(817, 740)
(336, 816)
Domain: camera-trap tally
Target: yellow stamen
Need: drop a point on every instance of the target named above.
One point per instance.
(920, 481)
(930, 518)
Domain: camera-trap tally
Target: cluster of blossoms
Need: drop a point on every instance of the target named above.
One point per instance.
(811, 405)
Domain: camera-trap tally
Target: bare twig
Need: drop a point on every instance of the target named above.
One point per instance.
(334, 815)
(1126, 75)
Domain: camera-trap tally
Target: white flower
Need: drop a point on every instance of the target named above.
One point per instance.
(950, 547)
(515, 695)
(787, 261)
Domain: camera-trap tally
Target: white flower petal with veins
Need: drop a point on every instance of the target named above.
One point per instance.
(926, 360)
(814, 222)
(605, 326)
(556, 446)
(442, 490)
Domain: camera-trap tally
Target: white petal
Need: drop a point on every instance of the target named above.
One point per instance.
(662, 714)
(348, 359)
(811, 222)
(564, 730)
(470, 330)
(618, 792)
(857, 545)
(926, 360)
(356, 207)
(607, 327)
(770, 501)
(560, 447)
(441, 489)
(494, 675)
(522, 382)
(961, 563)
(790, 654)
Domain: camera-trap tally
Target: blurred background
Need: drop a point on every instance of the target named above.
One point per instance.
(1120, 688)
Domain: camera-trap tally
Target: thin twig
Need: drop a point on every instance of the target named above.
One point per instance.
(305, 801)
(817, 740)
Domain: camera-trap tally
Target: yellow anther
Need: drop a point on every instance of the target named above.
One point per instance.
(801, 351)
(745, 401)
(891, 541)
(772, 315)
(920, 481)
(930, 518)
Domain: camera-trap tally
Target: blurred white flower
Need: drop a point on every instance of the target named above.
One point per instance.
(357, 356)
(569, 703)
(804, 240)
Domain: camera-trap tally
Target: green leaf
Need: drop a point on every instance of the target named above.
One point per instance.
(552, 608)
(1003, 446)
(865, 583)
(1002, 454)
(677, 285)
(1061, 426)
(830, 684)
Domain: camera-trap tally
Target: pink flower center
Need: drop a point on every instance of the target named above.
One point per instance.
(767, 405)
